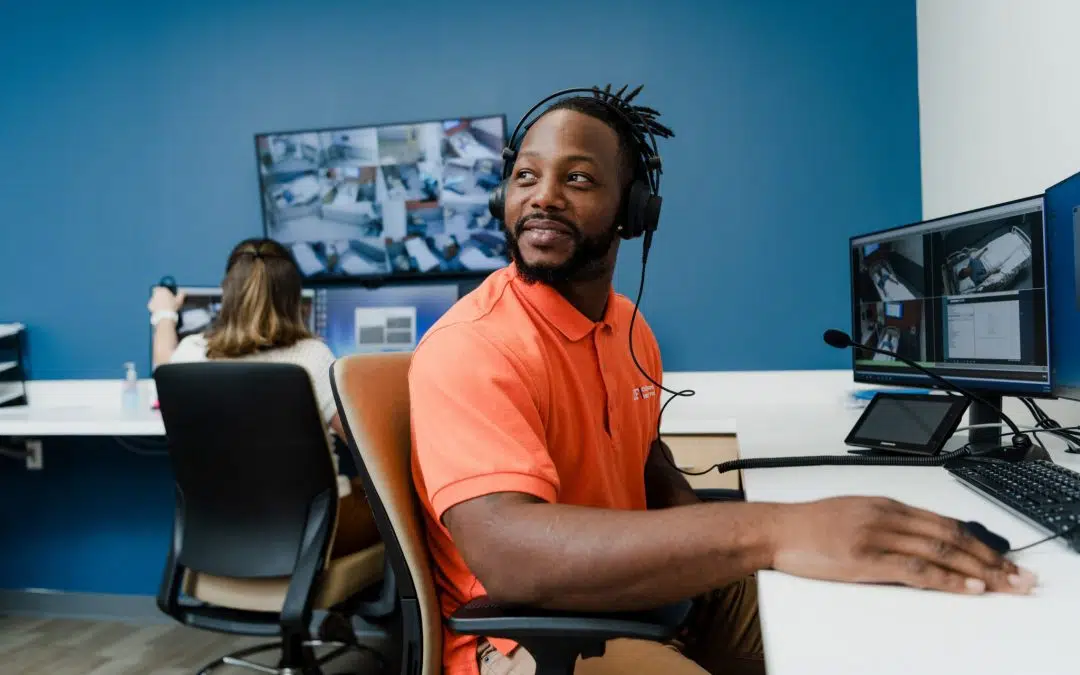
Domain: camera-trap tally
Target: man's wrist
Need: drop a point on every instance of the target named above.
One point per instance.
(775, 529)
(758, 531)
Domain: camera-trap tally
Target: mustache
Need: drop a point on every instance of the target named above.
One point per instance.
(554, 217)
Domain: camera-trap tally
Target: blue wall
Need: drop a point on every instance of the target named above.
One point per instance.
(126, 136)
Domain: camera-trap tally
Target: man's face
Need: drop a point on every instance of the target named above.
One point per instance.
(562, 199)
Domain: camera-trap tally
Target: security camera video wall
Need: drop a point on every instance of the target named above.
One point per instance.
(401, 200)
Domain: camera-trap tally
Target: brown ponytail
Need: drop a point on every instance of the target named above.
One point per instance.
(260, 307)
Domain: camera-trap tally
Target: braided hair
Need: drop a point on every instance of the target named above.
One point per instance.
(633, 136)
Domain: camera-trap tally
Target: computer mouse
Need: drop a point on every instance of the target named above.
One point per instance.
(991, 539)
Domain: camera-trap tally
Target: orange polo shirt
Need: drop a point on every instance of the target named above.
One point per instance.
(514, 390)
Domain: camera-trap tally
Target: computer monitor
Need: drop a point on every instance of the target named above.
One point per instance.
(386, 201)
(203, 303)
(1062, 240)
(963, 295)
(383, 319)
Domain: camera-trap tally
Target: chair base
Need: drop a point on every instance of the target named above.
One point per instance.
(312, 667)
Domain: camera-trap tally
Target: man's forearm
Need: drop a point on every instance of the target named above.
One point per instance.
(568, 557)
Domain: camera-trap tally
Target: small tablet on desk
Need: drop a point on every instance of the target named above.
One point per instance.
(917, 424)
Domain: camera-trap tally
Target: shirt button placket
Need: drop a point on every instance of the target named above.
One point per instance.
(611, 394)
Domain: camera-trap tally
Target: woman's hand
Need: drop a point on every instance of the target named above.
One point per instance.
(162, 300)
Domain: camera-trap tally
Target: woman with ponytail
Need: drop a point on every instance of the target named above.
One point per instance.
(261, 319)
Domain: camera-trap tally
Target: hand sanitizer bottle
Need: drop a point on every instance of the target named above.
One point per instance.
(130, 387)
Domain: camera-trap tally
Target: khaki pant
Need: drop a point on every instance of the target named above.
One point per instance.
(721, 637)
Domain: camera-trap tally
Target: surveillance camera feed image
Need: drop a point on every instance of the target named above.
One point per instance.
(963, 294)
(405, 200)
(891, 271)
(893, 327)
(985, 257)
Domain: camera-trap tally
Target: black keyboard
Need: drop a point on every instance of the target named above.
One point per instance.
(1044, 493)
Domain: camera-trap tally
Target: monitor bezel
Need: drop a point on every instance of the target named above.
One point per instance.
(912, 378)
(372, 279)
(1059, 389)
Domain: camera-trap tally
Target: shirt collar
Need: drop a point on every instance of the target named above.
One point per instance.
(558, 311)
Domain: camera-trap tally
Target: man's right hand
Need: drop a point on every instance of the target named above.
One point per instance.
(878, 540)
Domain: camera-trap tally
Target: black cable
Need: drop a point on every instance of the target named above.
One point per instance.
(646, 244)
(1044, 540)
(834, 460)
(1044, 422)
(849, 460)
(1036, 411)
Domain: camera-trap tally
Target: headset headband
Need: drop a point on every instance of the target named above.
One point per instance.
(649, 151)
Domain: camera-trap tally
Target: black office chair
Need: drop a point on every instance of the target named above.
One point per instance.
(372, 395)
(256, 509)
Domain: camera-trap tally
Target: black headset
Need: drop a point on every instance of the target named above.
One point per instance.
(641, 204)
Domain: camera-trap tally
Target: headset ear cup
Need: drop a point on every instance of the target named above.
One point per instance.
(652, 212)
(637, 201)
(497, 201)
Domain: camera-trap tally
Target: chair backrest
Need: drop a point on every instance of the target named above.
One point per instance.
(372, 393)
(254, 475)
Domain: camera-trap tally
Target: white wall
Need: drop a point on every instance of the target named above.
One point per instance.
(999, 99)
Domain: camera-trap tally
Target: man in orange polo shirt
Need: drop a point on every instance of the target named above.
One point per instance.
(538, 465)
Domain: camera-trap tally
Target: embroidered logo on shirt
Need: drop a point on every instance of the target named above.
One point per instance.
(645, 391)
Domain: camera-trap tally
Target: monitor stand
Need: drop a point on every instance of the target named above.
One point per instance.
(996, 441)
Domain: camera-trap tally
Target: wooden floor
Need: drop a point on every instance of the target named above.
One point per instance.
(71, 647)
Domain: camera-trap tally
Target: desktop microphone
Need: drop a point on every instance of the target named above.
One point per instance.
(169, 284)
(1021, 444)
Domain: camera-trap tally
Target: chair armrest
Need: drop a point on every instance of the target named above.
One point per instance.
(720, 495)
(482, 617)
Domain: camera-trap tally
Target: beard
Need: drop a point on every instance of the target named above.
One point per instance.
(586, 262)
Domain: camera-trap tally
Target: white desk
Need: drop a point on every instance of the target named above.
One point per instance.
(80, 421)
(81, 408)
(92, 408)
(813, 627)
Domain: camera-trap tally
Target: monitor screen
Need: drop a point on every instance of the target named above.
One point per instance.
(385, 319)
(388, 201)
(1062, 240)
(202, 304)
(964, 296)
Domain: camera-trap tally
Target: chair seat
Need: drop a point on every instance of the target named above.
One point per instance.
(343, 578)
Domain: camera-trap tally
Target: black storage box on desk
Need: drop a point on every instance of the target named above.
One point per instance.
(13, 369)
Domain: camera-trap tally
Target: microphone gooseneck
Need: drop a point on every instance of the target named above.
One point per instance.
(841, 340)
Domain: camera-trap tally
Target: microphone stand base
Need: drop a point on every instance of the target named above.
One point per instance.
(1008, 453)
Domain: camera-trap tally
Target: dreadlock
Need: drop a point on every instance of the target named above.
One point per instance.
(633, 136)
